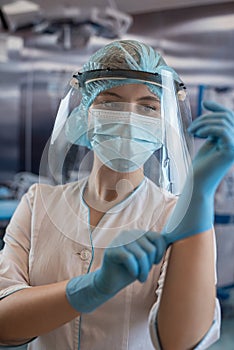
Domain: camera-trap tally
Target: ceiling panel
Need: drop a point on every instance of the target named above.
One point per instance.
(129, 6)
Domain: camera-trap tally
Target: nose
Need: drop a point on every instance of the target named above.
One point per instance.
(130, 107)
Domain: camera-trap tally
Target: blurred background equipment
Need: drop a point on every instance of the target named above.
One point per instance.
(62, 26)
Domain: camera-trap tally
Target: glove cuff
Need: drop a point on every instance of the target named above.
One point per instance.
(198, 217)
(83, 295)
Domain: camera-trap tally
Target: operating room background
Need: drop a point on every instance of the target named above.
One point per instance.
(195, 37)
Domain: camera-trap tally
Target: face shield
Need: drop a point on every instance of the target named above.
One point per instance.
(145, 129)
(129, 123)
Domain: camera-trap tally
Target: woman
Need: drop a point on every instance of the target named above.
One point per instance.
(84, 264)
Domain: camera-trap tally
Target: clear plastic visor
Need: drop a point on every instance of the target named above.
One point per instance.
(129, 131)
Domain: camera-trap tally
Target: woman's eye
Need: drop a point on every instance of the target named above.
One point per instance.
(109, 105)
(149, 110)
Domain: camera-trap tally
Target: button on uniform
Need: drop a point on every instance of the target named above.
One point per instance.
(85, 254)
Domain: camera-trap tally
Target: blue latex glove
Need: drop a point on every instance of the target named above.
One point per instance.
(123, 263)
(194, 211)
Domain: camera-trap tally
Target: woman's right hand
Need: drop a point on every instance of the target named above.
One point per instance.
(129, 257)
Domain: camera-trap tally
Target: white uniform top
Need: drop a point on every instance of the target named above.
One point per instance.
(49, 240)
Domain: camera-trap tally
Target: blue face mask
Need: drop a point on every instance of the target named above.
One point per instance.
(123, 141)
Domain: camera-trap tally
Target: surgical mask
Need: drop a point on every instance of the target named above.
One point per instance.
(123, 141)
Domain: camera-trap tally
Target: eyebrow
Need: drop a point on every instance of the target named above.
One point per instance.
(143, 98)
(106, 93)
(148, 98)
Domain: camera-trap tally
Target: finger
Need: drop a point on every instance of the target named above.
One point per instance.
(212, 118)
(211, 122)
(194, 129)
(215, 107)
(121, 256)
(149, 248)
(216, 129)
(215, 132)
(142, 260)
(160, 244)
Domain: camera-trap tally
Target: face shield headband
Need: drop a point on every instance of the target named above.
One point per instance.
(81, 79)
(167, 164)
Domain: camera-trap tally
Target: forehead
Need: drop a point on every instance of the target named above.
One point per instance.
(129, 92)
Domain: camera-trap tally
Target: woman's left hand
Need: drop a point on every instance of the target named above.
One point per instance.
(194, 211)
(216, 155)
